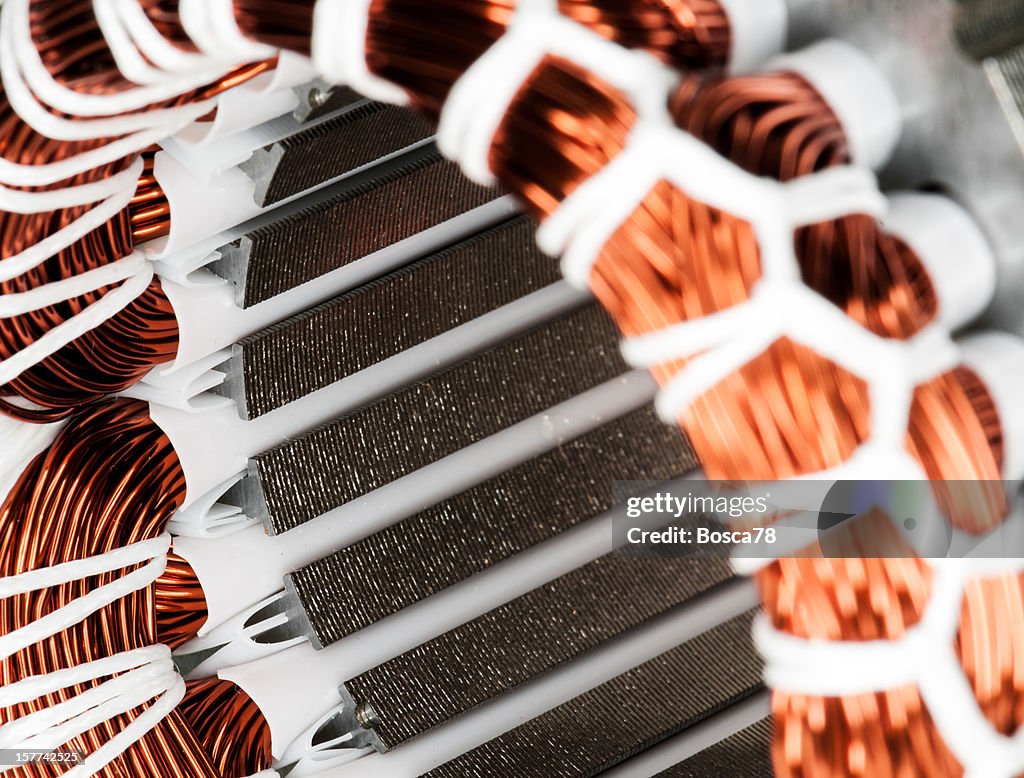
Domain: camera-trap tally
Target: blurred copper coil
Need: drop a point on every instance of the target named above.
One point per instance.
(282, 24)
(230, 726)
(683, 33)
(778, 125)
(991, 644)
(425, 50)
(110, 479)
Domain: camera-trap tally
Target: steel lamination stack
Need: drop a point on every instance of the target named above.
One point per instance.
(313, 465)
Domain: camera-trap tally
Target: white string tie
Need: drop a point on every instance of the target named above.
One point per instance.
(141, 675)
(32, 257)
(108, 306)
(212, 26)
(339, 49)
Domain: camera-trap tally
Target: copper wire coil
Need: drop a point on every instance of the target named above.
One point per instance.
(889, 733)
(683, 33)
(279, 23)
(853, 596)
(778, 125)
(885, 735)
(114, 355)
(111, 478)
(149, 210)
(230, 726)
(179, 603)
(424, 50)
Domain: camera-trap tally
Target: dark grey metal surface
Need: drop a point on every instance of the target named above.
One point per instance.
(746, 754)
(298, 356)
(358, 136)
(986, 28)
(627, 715)
(308, 476)
(381, 208)
(449, 542)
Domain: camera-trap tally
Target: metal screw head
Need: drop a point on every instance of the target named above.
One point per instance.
(317, 97)
(366, 716)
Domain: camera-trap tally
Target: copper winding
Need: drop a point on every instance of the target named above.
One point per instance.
(120, 351)
(279, 23)
(111, 478)
(243, 746)
(179, 604)
(683, 33)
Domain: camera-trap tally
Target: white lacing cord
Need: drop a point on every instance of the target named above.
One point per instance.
(92, 317)
(157, 49)
(16, 201)
(142, 675)
(51, 92)
(212, 26)
(32, 257)
(132, 60)
(925, 657)
(339, 49)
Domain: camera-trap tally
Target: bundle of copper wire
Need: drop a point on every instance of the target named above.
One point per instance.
(860, 598)
(118, 353)
(111, 478)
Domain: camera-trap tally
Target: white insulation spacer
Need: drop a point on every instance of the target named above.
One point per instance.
(953, 250)
(757, 31)
(998, 360)
(857, 91)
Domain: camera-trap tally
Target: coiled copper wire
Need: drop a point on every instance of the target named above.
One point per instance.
(230, 726)
(111, 478)
(179, 603)
(683, 33)
(425, 49)
(120, 351)
(279, 23)
(889, 733)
